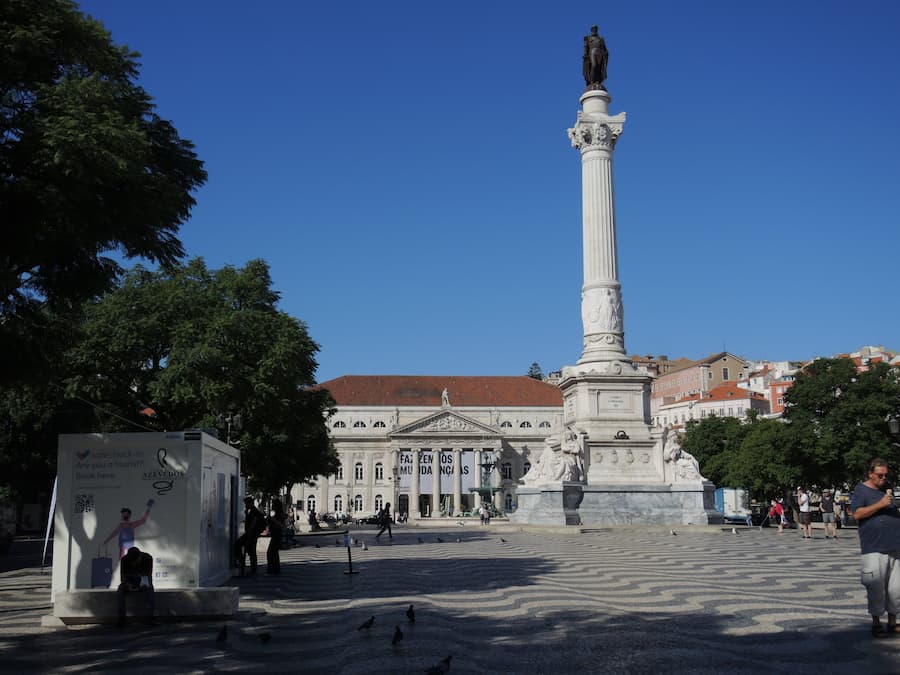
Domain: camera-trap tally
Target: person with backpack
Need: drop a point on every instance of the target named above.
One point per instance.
(384, 519)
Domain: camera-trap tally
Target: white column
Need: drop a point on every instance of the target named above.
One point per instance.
(497, 477)
(478, 482)
(457, 480)
(436, 477)
(595, 134)
(414, 485)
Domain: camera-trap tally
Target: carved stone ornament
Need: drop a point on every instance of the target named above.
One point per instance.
(589, 135)
(629, 457)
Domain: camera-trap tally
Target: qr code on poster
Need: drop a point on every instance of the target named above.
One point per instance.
(84, 503)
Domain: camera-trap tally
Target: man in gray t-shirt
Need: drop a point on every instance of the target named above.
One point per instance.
(874, 510)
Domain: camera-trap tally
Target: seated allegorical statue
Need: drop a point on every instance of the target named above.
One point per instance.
(684, 464)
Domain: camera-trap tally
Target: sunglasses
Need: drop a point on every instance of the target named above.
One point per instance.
(879, 475)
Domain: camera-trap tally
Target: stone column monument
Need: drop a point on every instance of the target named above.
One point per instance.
(608, 466)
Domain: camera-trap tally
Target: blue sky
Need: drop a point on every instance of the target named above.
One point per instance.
(404, 169)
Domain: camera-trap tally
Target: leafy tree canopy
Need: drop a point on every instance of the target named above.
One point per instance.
(86, 168)
(835, 420)
(194, 344)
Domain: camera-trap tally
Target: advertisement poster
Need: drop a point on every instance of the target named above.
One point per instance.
(168, 496)
(427, 461)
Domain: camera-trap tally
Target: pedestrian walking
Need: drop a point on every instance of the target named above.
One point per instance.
(384, 519)
(776, 513)
(275, 522)
(805, 518)
(874, 510)
(254, 524)
(828, 517)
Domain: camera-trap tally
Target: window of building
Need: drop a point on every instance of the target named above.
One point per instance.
(310, 504)
(506, 471)
(357, 503)
(709, 375)
(379, 471)
(357, 471)
(526, 467)
(544, 425)
(702, 414)
(359, 425)
(724, 373)
(780, 401)
(731, 412)
(340, 425)
(338, 504)
(379, 425)
(340, 472)
(506, 425)
(379, 503)
(507, 501)
(525, 425)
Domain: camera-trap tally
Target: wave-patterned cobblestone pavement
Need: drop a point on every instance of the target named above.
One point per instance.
(616, 601)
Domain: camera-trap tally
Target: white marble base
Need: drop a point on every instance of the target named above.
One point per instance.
(599, 505)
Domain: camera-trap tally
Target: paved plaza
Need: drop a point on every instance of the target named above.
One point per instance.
(542, 601)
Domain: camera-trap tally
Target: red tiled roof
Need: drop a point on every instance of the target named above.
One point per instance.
(425, 390)
(729, 390)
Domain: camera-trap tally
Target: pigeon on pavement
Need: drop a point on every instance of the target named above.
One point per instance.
(411, 615)
(503, 540)
(398, 635)
(439, 540)
(367, 624)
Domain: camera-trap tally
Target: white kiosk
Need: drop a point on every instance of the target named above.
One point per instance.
(174, 495)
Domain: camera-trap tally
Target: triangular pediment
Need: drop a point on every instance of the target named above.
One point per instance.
(446, 422)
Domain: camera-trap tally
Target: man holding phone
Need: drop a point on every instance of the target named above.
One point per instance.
(874, 510)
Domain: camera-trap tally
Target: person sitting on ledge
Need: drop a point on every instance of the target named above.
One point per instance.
(136, 570)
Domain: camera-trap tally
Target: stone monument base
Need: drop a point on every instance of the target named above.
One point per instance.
(598, 505)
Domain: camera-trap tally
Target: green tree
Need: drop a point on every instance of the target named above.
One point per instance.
(86, 168)
(535, 372)
(838, 419)
(195, 344)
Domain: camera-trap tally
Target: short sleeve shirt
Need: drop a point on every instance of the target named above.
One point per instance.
(804, 502)
(879, 533)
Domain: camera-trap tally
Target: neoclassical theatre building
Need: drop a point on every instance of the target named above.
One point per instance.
(393, 432)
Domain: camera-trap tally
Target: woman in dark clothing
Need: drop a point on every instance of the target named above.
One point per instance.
(276, 532)
(385, 517)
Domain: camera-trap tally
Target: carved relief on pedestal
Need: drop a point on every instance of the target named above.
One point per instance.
(601, 311)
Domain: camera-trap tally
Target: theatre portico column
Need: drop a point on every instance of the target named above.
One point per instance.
(436, 478)
(457, 481)
(414, 485)
(498, 496)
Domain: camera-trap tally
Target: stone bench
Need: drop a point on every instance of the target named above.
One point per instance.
(100, 605)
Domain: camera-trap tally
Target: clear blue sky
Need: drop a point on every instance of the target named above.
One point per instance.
(404, 169)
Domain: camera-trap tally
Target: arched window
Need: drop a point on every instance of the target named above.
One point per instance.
(525, 425)
(507, 501)
(357, 471)
(310, 504)
(340, 425)
(379, 471)
(357, 503)
(379, 503)
(506, 470)
(340, 472)
(506, 425)
(338, 504)
(526, 467)
(544, 425)
(379, 425)
(359, 425)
